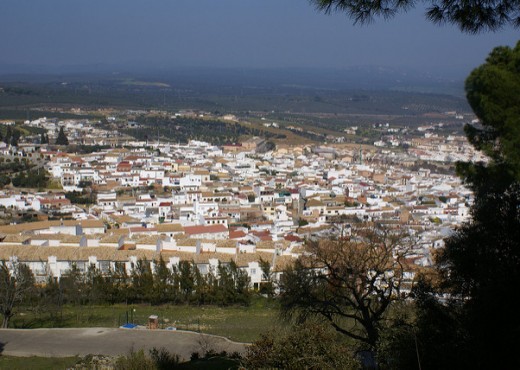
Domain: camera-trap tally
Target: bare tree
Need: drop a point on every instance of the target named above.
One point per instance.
(350, 282)
(16, 283)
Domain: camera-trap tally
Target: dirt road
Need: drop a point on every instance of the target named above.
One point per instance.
(107, 341)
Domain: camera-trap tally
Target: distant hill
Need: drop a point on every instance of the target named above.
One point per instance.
(360, 90)
(361, 77)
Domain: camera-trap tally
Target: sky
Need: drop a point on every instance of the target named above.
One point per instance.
(228, 33)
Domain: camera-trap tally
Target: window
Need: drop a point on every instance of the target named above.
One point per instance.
(81, 266)
(104, 266)
(203, 269)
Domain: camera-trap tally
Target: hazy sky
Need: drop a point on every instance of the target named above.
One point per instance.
(227, 33)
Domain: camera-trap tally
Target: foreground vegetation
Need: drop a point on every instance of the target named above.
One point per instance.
(139, 360)
(37, 363)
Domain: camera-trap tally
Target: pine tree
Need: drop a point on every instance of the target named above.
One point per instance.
(470, 16)
(15, 138)
(8, 134)
(62, 138)
(480, 264)
(44, 139)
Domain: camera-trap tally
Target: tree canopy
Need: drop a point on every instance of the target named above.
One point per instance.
(481, 269)
(480, 264)
(16, 284)
(470, 16)
(493, 91)
(349, 282)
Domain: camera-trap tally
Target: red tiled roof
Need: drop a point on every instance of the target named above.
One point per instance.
(262, 235)
(236, 234)
(193, 230)
(292, 238)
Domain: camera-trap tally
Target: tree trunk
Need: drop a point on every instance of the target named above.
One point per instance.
(5, 321)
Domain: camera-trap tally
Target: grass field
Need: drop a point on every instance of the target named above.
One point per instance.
(36, 363)
(242, 324)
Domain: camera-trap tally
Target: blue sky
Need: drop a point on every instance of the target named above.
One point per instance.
(228, 33)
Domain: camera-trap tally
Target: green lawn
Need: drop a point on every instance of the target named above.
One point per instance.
(37, 363)
(243, 324)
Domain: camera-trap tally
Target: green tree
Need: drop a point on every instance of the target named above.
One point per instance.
(421, 331)
(469, 16)
(4, 180)
(120, 283)
(16, 285)
(493, 91)
(51, 299)
(185, 280)
(15, 138)
(142, 281)
(31, 179)
(62, 138)
(162, 283)
(203, 293)
(232, 286)
(44, 139)
(225, 292)
(479, 267)
(242, 281)
(98, 286)
(8, 135)
(267, 284)
(72, 285)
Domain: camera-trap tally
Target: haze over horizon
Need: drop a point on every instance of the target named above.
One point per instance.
(165, 34)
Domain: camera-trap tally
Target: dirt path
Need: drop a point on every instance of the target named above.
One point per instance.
(107, 341)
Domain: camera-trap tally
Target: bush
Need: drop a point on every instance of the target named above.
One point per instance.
(163, 359)
(134, 361)
(158, 359)
(306, 346)
(31, 179)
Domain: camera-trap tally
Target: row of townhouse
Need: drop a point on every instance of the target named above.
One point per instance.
(51, 261)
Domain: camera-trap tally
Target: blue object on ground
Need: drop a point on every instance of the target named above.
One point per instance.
(129, 326)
